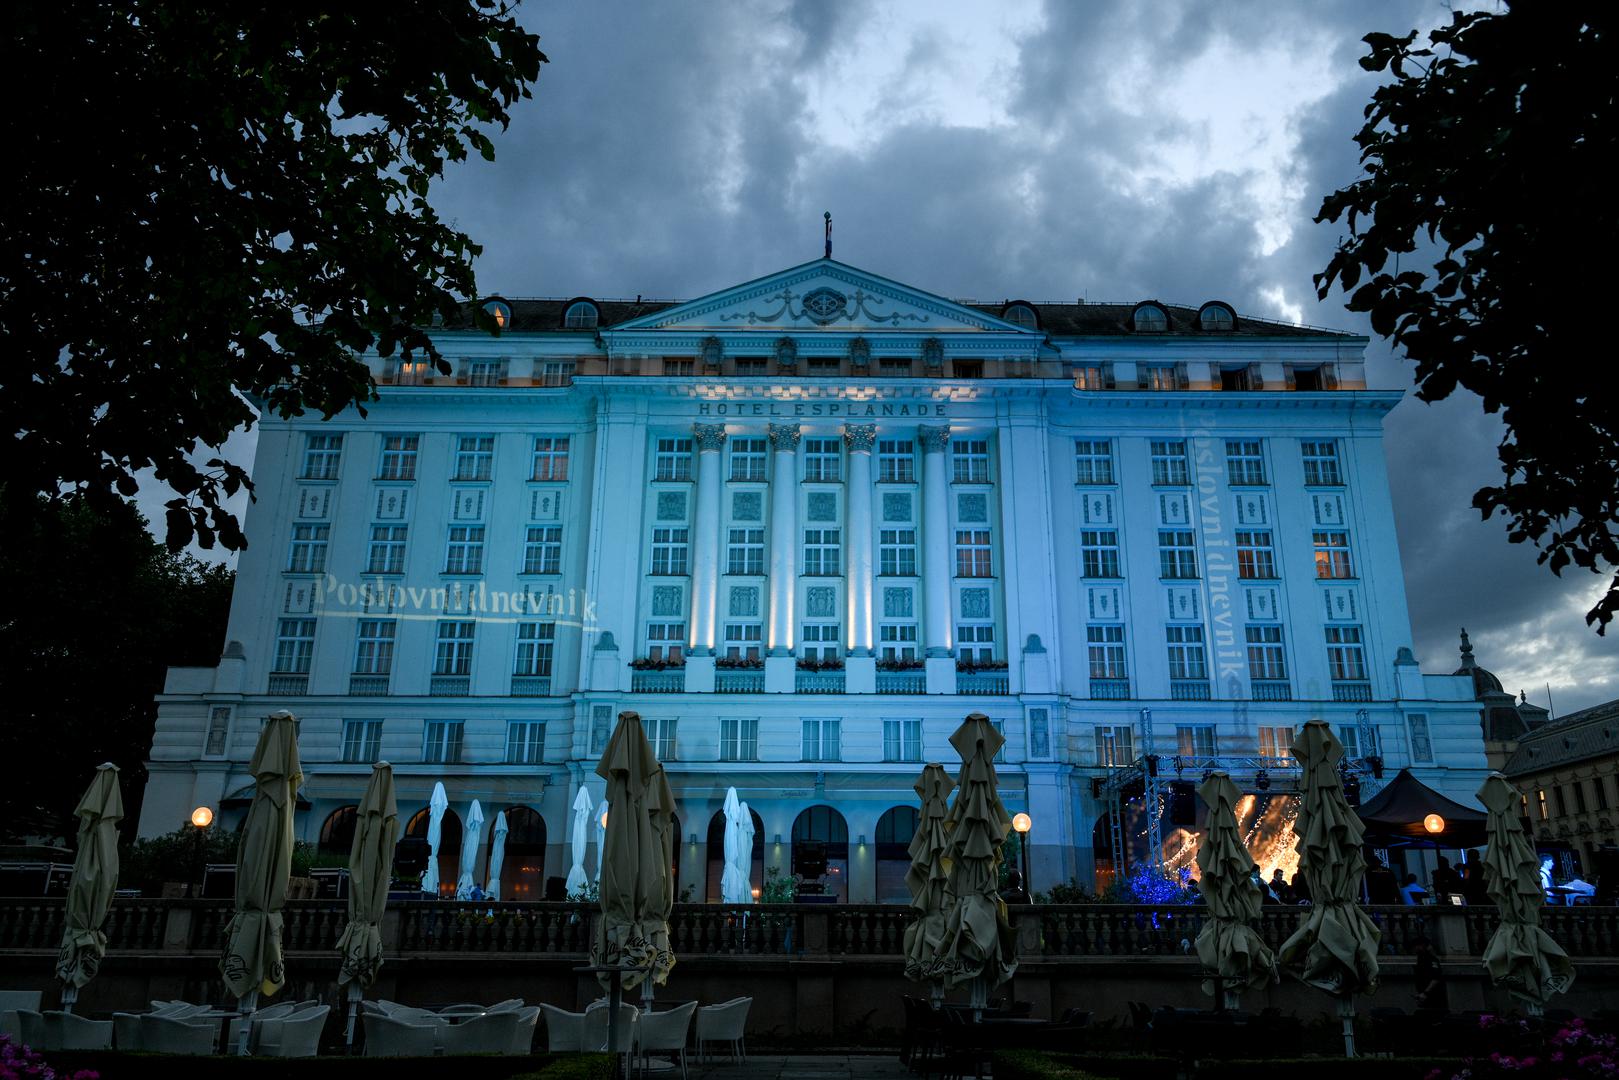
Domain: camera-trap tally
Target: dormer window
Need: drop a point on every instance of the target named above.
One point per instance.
(1022, 315)
(581, 315)
(1216, 318)
(1149, 319)
(500, 311)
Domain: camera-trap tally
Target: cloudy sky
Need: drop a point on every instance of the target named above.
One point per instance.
(1112, 150)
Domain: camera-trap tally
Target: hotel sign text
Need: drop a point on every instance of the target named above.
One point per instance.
(855, 409)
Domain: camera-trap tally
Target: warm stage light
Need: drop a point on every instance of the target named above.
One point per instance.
(1022, 822)
(202, 817)
(604, 819)
(1434, 823)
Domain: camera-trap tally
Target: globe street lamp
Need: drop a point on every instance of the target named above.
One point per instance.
(1023, 823)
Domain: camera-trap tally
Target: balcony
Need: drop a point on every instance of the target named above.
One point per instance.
(902, 682)
(289, 684)
(1351, 691)
(658, 682)
(982, 682)
(1272, 690)
(449, 685)
(1188, 690)
(368, 686)
(531, 686)
(1110, 689)
(818, 682)
(739, 681)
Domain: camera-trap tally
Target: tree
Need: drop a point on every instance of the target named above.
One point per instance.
(1487, 185)
(220, 206)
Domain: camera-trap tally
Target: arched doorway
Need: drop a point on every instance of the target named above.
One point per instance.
(821, 852)
(411, 857)
(337, 832)
(716, 855)
(522, 871)
(895, 830)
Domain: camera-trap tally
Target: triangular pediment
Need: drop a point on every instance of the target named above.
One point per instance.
(824, 295)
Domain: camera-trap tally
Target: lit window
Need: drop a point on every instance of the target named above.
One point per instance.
(1275, 742)
(1321, 463)
(412, 372)
(1216, 318)
(581, 315)
(1195, 740)
(896, 461)
(1169, 463)
(1332, 554)
(542, 550)
(1021, 315)
(550, 458)
(500, 311)
(1150, 318)
(398, 457)
(1159, 377)
(1093, 461)
(321, 456)
(1255, 557)
(536, 642)
(1093, 377)
(1114, 746)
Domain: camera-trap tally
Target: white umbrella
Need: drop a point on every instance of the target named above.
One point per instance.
(601, 837)
(497, 856)
(733, 886)
(578, 882)
(435, 833)
(744, 852)
(470, 840)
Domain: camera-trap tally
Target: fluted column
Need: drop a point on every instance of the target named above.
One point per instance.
(935, 540)
(859, 439)
(783, 536)
(705, 566)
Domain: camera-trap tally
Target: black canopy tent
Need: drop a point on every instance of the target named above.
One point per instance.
(1395, 817)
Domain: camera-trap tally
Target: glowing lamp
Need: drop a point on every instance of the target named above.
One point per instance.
(1434, 823)
(1022, 822)
(202, 817)
(604, 819)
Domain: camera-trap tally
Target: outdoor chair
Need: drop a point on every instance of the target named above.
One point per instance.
(461, 1010)
(509, 1005)
(65, 1031)
(523, 1034)
(30, 1026)
(386, 1036)
(12, 1000)
(269, 1012)
(726, 1022)
(595, 1034)
(176, 1008)
(296, 1035)
(11, 1024)
(490, 1033)
(921, 1041)
(126, 1030)
(665, 1033)
(171, 1035)
(564, 1031)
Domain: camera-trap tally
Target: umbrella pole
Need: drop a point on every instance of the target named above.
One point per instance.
(1346, 1011)
(246, 1003)
(1230, 1001)
(614, 996)
(354, 1006)
(70, 996)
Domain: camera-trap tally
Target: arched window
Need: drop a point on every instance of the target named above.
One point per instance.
(1216, 317)
(337, 833)
(522, 869)
(895, 829)
(1149, 319)
(716, 855)
(410, 859)
(1021, 314)
(821, 852)
(581, 315)
(500, 311)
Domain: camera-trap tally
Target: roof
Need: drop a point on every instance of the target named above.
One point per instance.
(1396, 815)
(1579, 736)
(546, 314)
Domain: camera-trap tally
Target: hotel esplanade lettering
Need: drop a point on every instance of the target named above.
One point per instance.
(850, 409)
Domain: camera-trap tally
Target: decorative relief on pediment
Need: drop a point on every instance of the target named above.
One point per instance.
(823, 306)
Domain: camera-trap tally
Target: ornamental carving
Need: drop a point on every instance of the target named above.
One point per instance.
(823, 306)
(709, 436)
(713, 351)
(934, 439)
(933, 353)
(783, 437)
(859, 436)
(786, 352)
(859, 353)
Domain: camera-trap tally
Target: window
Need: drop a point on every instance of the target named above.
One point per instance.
(1093, 377)
(821, 460)
(441, 741)
(1159, 377)
(743, 641)
(975, 642)
(500, 312)
(453, 655)
(219, 728)
(1105, 645)
(1422, 747)
(1169, 463)
(750, 365)
(820, 642)
(967, 369)
(1150, 319)
(746, 551)
(1265, 659)
(474, 457)
(362, 741)
(1246, 377)
(1332, 555)
(1255, 558)
(1540, 801)
(902, 740)
(1195, 740)
(536, 642)
(674, 460)
(1093, 461)
(412, 372)
(581, 315)
(1276, 742)
(823, 365)
(896, 461)
(894, 366)
(1579, 797)
(1216, 318)
(1244, 461)
(1021, 315)
(1099, 553)
(374, 648)
(485, 372)
(1187, 658)
(308, 552)
(1114, 747)
(1313, 378)
(1321, 463)
(669, 550)
(821, 551)
(550, 458)
(558, 372)
(972, 553)
(386, 554)
(821, 740)
(971, 461)
(897, 641)
(739, 739)
(1346, 655)
(676, 366)
(542, 551)
(525, 742)
(399, 457)
(748, 459)
(896, 552)
(1349, 736)
(321, 456)
(464, 552)
(666, 642)
(1599, 787)
(1177, 555)
(294, 646)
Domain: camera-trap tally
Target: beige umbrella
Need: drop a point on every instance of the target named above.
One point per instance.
(252, 961)
(978, 946)
(637, 886)
(371, 857)
(95, 878)
(1336, 946)
(928, 876)
(1234, 956)
(1521, 956)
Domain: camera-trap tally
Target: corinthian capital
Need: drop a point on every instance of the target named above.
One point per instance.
(783, 436)
(859, 436)
(709, 436)
(934, 439)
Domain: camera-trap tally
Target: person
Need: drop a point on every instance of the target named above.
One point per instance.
(1014, 892)
(1411, 892)
(1279, 887)
(1430, 978)
(1473, 878)
(1446, 880)
(1301, 888)
(1257, 876)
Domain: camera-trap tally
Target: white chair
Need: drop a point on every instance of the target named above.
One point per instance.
(126, 1030)
(462, 1010)
(595, 1036)
(564, 1030)
(297, 1035)
(509, 1005)
(11, 1025)
(65, 1031)
(12, 1000)
(665, 1033)
(386, 1036)
(179, 1009)
(523, 1035)
(270, 1012)
(171, 1035)
(490, 1033)
(725, 1023)
(30, 1027)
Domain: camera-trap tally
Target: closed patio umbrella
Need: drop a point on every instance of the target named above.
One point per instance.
(436, 806)
(370, 871)
(252, 961)
(733, 882)
(471, 840)
(1520, 956)
(928, 876)
(497, 855)
(744, 851)
(1335, 948)
(578, 882)
(95, 879)
(978, 947)
(1235, 958)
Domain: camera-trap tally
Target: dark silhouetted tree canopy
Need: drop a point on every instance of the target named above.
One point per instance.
(213, 200)
(1482, 240)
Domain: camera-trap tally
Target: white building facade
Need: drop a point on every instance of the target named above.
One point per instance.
(804, 526)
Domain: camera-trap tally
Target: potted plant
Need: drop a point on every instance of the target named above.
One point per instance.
(739, 663)
(899, 664)
(834, 664)
(646, 663)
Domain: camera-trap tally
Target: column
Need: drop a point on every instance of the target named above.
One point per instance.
(705, 562)
(936, 570)
(860, 668)
(779, 663)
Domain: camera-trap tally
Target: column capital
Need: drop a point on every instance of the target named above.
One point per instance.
(860, 436)
(709, 436)
(934, 438)
(783, 436)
